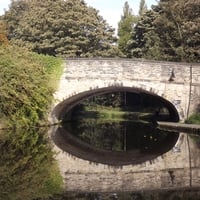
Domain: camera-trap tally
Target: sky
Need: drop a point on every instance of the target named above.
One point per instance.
(111, 10)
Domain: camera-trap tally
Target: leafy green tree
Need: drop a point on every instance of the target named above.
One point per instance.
(169, 31)
(58, 27)
(14, 15)
(178, 27)
(25, 86)
(140, 40)
(125, 27)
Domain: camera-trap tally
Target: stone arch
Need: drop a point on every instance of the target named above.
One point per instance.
(66, 105)
(69, 143)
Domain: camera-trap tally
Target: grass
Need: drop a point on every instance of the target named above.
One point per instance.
(194, 119)
(104, 113)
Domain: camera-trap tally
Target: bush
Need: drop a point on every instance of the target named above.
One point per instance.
(27, 82)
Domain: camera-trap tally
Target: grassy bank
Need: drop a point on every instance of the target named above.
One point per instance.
(27, 82)
(105, 113)
(194, 119)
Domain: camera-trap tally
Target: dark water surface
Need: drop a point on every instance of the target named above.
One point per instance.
(148, 195)
(114, 142)
(23, 161)
(120, 135)
(117, 128)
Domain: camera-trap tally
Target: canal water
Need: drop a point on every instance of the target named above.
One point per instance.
(120, 142)
(122, 126)
(101, 134)
(19, 163)
(127, 135)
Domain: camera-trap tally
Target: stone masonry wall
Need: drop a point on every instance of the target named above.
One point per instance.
(85, 74)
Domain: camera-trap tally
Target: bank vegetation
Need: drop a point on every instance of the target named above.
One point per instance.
(27, 83)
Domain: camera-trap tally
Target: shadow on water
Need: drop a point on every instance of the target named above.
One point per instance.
(148, 195)
(114, 143)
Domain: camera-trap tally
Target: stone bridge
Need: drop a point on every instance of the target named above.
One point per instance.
(177, 84)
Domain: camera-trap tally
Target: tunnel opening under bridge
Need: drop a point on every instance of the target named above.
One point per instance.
(140, 105)
(67, 105)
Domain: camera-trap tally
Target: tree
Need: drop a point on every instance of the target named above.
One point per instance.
(169, 31)
(142, 8)
(125, 27)
(178, 27)
(144, 39)
(69, 28)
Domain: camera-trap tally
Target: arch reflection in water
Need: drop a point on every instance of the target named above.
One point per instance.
(117, 127)
(114, 143)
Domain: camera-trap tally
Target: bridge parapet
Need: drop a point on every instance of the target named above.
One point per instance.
(130, 69)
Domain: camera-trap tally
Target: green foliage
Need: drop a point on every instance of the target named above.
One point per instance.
(27, 169)
(169, 31)
(125, 28)
(178, 27)
(27, 81)
(113, 100)
(25, 92)
(142, 8)
(69, 28)
(3, 33)
(194, 119)
(144, 38)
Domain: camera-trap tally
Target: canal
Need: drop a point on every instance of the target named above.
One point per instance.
(107, 147)
(115, 148)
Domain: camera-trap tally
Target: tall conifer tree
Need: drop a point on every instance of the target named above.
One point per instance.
(142, 8)
(169, 31)
(125, 27)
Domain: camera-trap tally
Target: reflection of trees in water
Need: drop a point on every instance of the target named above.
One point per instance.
(120, 121)
(105, 136)
(27, 170)
(118, 136)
